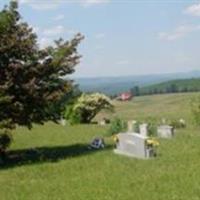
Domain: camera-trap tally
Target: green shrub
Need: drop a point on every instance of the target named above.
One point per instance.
(152, 129)
(72, 117)
(136, 127)
(86, 107)
(177, 124)
(152, 126)
(117, 126)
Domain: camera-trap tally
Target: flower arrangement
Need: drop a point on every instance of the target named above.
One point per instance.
(115, 138)
(152, 142)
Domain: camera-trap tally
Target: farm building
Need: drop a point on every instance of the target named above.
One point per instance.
(125, 96)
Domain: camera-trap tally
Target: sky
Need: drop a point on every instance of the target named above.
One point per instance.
(122, 37)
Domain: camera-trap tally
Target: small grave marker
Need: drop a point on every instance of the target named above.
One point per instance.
(144, 130)
(131, 126)
(165, 131)
(63, 122)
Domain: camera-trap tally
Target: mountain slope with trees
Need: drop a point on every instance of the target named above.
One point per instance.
(174, 86)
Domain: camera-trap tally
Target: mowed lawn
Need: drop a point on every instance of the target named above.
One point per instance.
(66, 170)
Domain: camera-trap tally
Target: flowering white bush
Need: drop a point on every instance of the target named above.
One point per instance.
(88, 106)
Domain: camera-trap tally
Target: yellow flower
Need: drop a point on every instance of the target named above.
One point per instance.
(153, 142)
(115, 138)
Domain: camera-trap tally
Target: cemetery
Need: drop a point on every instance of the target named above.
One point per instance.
(62, 158)
(58, 142)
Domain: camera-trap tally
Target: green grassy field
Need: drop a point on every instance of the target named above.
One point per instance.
(66, 170)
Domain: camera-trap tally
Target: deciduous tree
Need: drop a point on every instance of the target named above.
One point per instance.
(31, 80)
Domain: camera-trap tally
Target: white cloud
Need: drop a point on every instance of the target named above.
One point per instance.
(59, 17)
(45, 42)
(57, 30)
(179, 32)
(100, 35)
(123, 62)
(99, 47)
(193, 10)
(54, 4)
(23, 1)
(88, 3)
(71, 31)
(43, 4)
(48, 36)
(36, 29)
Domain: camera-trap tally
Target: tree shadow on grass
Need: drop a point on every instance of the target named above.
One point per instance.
(22, 157)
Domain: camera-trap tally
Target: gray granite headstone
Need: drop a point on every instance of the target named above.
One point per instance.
(133, 144)
(165, 131)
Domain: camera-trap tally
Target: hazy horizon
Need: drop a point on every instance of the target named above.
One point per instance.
(137, 75)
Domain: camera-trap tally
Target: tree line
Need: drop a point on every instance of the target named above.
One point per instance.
(169, 87)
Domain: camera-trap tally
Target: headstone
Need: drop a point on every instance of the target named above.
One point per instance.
(63, 122)
(134, 145)
(165, 131)
(163, 121)
(182, 123)
(131, 126)
(104, 121)
(144, 130)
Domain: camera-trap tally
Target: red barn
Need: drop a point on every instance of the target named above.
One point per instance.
(126, 96)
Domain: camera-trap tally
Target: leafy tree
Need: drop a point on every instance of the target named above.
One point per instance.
(31, 82)
(135, 91)
(86, 107)
(174, 88)
(155, 91)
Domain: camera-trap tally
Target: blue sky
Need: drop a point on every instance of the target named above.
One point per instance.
(122, 37)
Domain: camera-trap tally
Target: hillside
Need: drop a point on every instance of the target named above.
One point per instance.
(182, 85)
(116, 85)
(67, 170)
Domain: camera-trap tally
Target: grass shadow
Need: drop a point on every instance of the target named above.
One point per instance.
(22, 157)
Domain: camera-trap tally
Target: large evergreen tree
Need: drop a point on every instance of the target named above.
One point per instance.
(31, 80)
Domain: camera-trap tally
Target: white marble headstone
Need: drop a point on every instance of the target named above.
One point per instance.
(102, 123)
(63, 122)
(144, 130)
(165, 131)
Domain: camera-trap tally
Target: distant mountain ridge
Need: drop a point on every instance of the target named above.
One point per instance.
(173, 86)
(115, 85)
